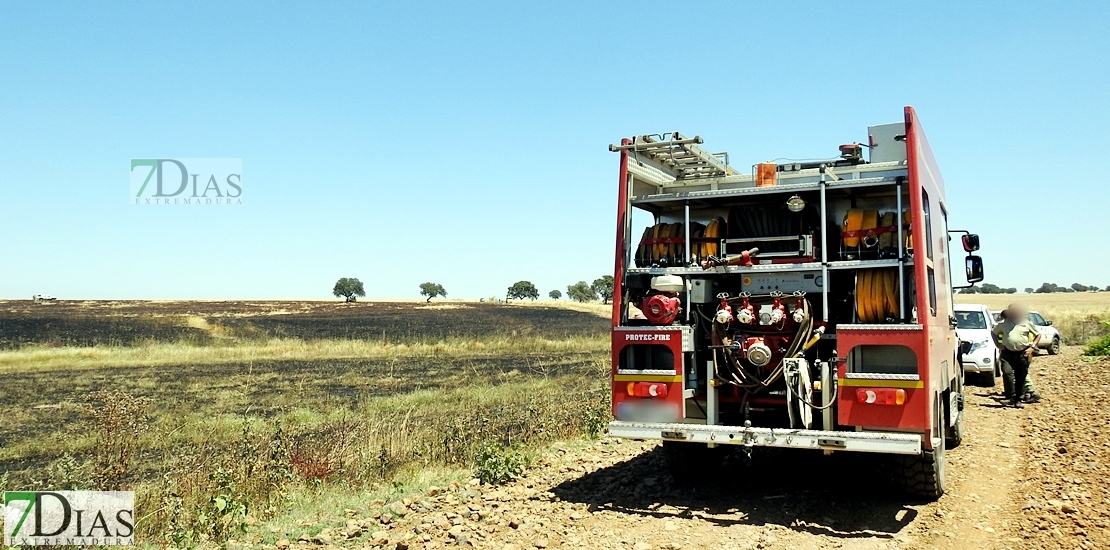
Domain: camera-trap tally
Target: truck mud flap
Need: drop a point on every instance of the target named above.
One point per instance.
(866, 442)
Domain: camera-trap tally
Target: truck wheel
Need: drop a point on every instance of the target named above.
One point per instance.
(988, 379)
(954, 435)
(1054, 347)
(692, 463)
(922, 475)
(954, 432)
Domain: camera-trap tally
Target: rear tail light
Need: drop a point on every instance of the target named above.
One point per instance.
(881, 396)
(647, 389)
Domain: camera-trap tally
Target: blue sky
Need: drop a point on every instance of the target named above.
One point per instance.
(465, 143)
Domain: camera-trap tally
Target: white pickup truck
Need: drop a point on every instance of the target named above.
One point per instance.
(43, 298)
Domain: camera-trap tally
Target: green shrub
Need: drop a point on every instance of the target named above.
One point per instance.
(1100, 347)
(206, 495)
(496, 465)
(68, 473)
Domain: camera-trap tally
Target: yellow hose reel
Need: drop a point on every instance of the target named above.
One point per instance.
(876, 295)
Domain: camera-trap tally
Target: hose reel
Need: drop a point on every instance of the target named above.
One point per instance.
(877, 295)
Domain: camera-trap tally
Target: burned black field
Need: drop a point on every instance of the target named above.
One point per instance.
(208, 367)
(136, 323)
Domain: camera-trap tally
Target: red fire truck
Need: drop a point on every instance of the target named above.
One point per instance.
(801, 305)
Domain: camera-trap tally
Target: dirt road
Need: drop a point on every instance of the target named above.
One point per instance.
(1029, 478)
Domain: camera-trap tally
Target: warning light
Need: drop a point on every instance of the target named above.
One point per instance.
(765, 174)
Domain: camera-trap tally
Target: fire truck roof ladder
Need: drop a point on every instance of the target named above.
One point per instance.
(678, 156)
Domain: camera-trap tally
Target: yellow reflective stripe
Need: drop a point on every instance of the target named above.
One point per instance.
(646, 378)
(881, 383)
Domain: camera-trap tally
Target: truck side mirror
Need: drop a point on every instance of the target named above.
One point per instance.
(971, 242)
(974, 268)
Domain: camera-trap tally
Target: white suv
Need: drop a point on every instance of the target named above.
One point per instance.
(979, 355)
(1050, 337)
(43, 298)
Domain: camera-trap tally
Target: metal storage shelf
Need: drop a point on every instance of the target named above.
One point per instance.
(786, 188)
(866, 264)
(690, 193)
(762, 268)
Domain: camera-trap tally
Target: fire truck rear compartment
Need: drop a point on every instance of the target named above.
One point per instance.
(781, 307)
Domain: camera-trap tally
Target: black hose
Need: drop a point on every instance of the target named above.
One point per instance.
(836, 393)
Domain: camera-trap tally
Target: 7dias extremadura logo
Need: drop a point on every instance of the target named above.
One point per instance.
(186, 181)
(72, 518)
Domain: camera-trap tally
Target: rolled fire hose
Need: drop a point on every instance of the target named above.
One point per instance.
(876, 295)
(908, 234)
(651, 250)
(712, 231)
(870, 221)
(657, 249)
(857, 222)
(853, 221)
(643, 252)
(886, 240)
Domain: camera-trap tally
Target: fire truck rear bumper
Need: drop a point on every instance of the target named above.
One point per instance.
(867, 442)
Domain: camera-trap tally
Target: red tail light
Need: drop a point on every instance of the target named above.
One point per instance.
(647, 389)
(881, 396)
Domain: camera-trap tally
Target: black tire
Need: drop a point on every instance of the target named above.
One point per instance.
(1054, 347)
(954, 433)
(692, 463)
(987, 379)
(922, 475)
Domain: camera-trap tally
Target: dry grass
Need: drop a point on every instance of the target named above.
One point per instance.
(364, 399)
(596, 308)
(1075, 302)
(79, 358)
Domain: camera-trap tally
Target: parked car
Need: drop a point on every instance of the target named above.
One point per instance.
(43, 298)
(979, 355)
(1050, 337)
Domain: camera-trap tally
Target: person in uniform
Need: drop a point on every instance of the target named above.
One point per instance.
(1028, 393)
(1017, 339)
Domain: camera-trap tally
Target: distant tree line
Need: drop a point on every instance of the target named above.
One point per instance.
(1045, 288)
(987, 288)
(1048, 288)
(601, 288)
(350, 289)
